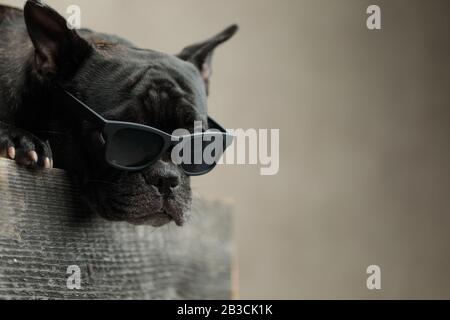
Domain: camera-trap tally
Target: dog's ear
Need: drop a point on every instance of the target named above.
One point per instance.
(58, 49)
(201, 54)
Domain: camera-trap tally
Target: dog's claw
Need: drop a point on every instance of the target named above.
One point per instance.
(33, 156)
(47, 163)
(12, 153)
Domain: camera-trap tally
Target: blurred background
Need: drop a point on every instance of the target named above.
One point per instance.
(364, 117)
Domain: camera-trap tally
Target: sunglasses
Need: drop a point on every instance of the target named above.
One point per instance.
(134, 147)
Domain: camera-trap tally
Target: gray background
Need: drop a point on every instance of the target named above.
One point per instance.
(364, 118)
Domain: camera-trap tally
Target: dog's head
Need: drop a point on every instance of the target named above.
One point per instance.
(124, 83)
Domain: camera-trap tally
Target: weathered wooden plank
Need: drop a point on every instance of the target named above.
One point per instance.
(44, 228)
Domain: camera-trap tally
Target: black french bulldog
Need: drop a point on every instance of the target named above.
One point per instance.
(120, 82)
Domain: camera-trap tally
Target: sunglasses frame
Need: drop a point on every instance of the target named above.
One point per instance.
(109, 128)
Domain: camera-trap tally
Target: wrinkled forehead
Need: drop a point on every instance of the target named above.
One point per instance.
(146, 87)
(165, 67)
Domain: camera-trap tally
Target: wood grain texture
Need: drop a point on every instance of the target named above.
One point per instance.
(44, 228)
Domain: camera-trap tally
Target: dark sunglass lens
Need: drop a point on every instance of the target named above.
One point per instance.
(133, 148)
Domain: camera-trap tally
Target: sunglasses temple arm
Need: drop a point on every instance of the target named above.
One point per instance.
(83, 111)
(212, 124)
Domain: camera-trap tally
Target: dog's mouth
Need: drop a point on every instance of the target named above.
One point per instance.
(140, 210)
(158, 219)
(155, 218)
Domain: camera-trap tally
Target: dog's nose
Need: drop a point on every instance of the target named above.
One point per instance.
(165, 182)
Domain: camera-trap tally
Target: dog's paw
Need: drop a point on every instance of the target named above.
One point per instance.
(25, 148)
